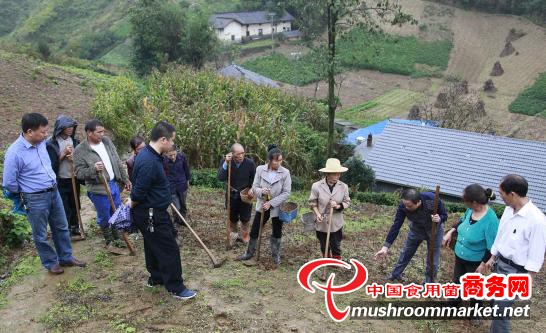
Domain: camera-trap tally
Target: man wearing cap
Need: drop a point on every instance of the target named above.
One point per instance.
(330, 192)
(243, 170)
(520, 242)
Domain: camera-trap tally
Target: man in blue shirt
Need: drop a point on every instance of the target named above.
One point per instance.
(150, 198)
(418, 208)
(27, 170)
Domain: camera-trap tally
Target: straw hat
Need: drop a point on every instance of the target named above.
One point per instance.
(333, 165)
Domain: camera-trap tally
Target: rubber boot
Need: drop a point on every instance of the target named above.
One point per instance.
(233, 238)
(246, 235)
(276, 250)
(250, 250)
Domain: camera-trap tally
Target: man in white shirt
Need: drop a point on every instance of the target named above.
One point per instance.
(521, 239)
(96, 159)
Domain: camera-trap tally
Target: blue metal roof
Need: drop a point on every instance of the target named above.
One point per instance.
(377, 129)
(422, 156)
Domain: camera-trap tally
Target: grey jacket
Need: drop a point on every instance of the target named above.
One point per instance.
(84, 166)
(321, 196)
(280, 186)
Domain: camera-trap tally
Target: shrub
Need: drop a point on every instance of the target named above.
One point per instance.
(14, 229)
(211, 112)
(378, 198)
(360, 176)
(205, 178)
(44, 50)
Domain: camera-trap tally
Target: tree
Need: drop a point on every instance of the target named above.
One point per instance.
(340, 16)
(157, 30)
(359, 177)
(199, 43)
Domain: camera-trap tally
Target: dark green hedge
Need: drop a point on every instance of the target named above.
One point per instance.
(207, 178)
(393, 199)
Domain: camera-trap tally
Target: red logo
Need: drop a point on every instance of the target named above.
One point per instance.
(358, 281)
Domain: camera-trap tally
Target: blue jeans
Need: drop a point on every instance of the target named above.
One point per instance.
(102, 204)
(410, 247)
(43, 209)
(502, 325)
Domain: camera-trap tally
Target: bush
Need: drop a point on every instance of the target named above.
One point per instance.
(378, 198)
(360, 176)
(14, 229)
(44, 50)
(211, 112)
(205, 178)
(95, 44)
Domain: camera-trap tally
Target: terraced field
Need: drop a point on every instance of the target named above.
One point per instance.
(393, 104)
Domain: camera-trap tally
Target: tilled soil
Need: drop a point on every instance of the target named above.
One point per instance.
(110, 294)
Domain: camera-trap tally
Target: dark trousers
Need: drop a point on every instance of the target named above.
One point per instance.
(335, 242)
(277, 225)
(239, 210)
(69, 204)
(179, 201)
(161, 252)
(460, 268)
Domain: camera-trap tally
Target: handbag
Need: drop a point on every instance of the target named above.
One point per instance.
(121, 219)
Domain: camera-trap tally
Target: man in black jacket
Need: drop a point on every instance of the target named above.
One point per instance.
(243, 170)
(59, 148)
(151, 196)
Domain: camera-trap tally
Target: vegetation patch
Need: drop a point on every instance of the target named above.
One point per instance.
(360, 49)
(532, 101)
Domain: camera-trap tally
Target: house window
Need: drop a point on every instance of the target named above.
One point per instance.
(221, 30)
(247, 33)
(283, 28)
(260, 32)
(232, 37)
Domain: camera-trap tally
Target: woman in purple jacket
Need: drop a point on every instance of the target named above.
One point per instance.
(178, 174)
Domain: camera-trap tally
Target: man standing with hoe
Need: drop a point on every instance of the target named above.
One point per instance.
(239, 172)
(419, 209)
(94, 159)
(60, 147)
(150, 199)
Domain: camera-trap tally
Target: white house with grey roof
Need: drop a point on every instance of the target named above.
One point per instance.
(236, 26)
(407, 155)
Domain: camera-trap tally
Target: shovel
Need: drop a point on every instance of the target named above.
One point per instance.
(254, 262)
(76, 200)
(228, 222)
(327, 249)
(432, 273)
(215, 262)
(113, 208)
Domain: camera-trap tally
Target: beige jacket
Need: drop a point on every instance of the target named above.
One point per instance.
(280, 185)
(321, 196)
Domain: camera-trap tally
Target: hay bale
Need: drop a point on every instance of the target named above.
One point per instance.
(514, 35)
(508, 49)
(462, 88)
(414, 113)
(489, 86)
(442, 101)
(497, 69)
(479, 108)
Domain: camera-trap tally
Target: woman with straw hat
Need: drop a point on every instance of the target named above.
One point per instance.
(330, 192)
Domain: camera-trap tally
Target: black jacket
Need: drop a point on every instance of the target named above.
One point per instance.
(52, 145)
